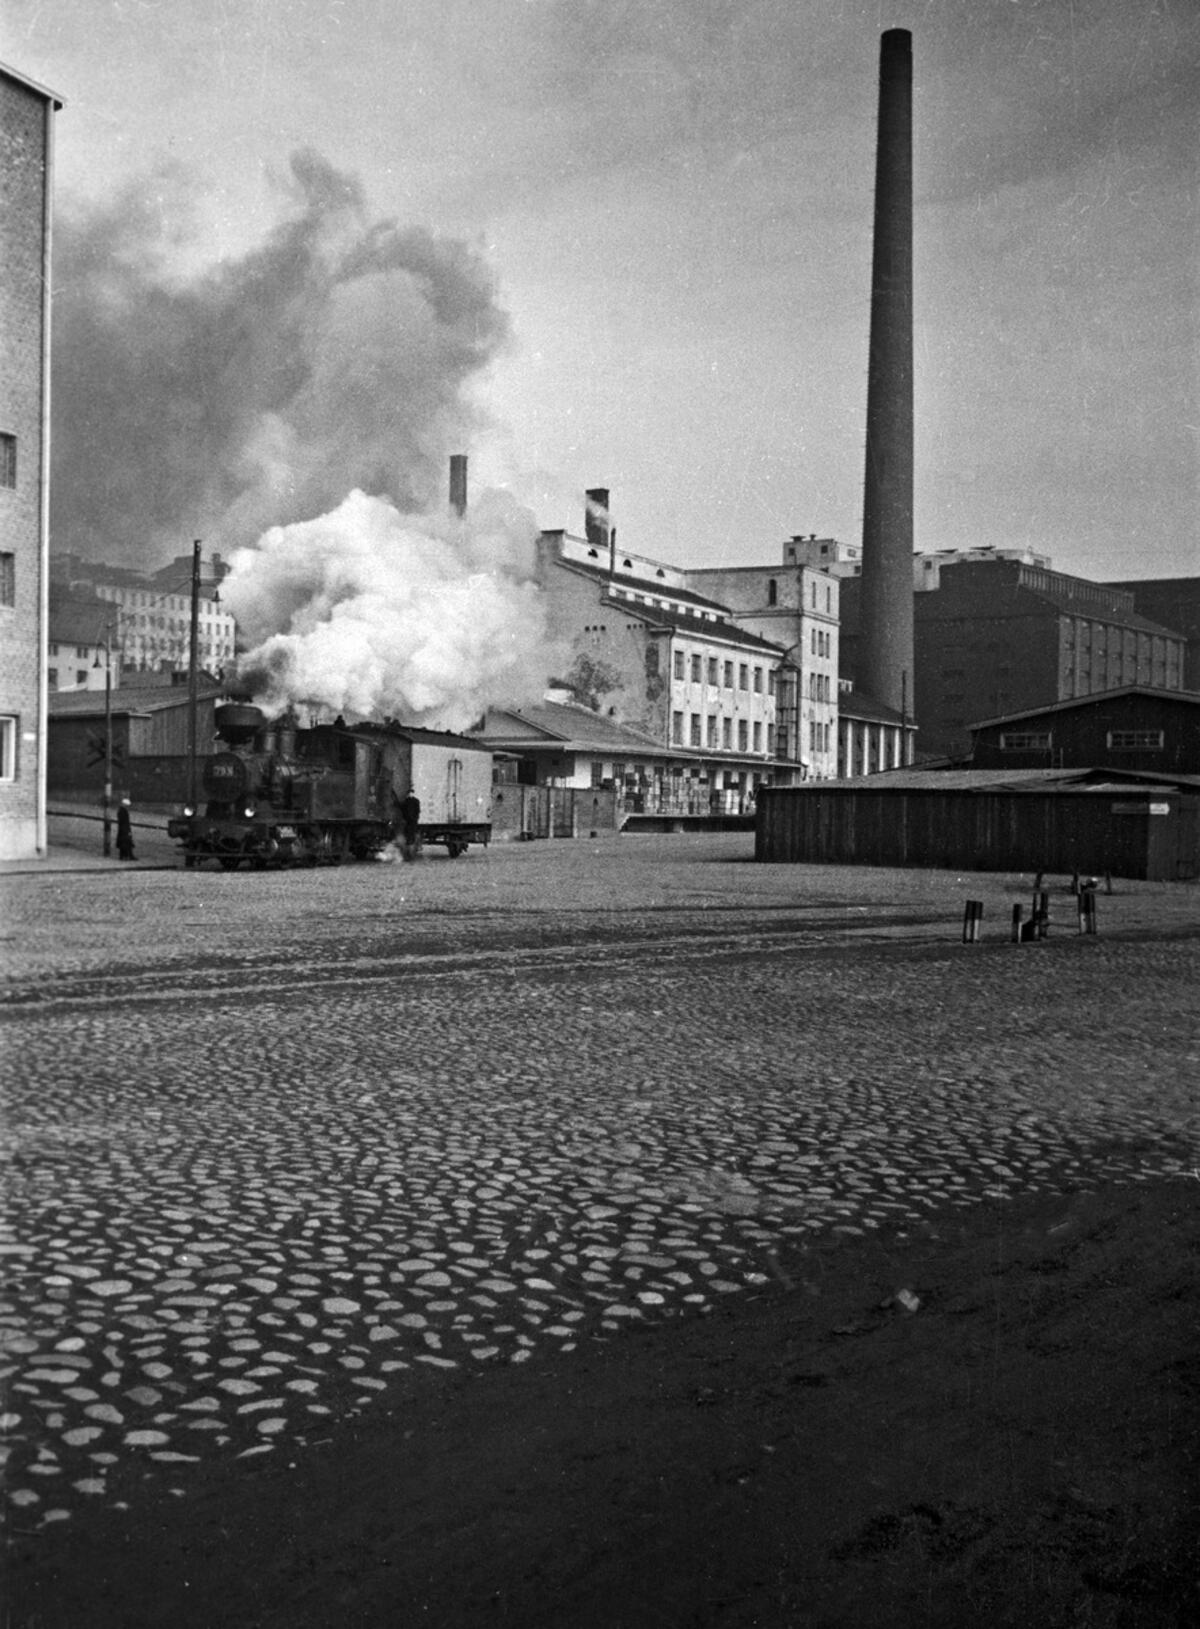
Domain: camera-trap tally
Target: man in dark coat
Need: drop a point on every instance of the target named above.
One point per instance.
(410, 815)
(124, 832)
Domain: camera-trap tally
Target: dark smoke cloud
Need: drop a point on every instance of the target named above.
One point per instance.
(334, 356)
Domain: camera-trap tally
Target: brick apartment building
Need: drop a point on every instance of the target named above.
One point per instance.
(26, 188)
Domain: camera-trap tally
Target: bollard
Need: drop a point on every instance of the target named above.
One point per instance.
(1018, 912)
(1041, 915)
(1087, 911)
(972, 915)
(1108, 882)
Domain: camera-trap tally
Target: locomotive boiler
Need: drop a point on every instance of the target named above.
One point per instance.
(277, 795)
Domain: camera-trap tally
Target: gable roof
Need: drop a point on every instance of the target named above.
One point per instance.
(568, 727)
(91, 703)
(1186, 698)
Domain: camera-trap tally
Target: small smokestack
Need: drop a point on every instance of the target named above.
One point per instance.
(886, 639)
(458, 483)
(596, 524)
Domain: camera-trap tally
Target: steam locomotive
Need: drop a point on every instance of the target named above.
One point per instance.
(278, 795)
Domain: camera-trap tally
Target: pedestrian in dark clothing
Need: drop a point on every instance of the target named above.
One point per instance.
(125, 832)
(410, 815)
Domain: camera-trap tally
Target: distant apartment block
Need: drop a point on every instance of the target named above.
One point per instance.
(151, 613)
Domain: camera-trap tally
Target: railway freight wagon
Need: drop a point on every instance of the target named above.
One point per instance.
(451, 776)
(276, 795)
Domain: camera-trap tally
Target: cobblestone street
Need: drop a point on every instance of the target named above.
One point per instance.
(279, 1147)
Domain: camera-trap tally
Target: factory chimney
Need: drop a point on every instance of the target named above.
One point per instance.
(596, 525)
(458, 483)
(886, 618)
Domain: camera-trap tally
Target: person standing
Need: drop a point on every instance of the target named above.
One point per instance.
(410, 815)
(125, 832)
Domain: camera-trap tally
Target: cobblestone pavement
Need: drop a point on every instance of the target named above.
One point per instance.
(276, 1147)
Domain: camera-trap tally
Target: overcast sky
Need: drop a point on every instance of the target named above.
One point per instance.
(673, 198)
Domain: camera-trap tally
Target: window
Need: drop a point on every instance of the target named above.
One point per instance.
(757, 737)
(8, 464)
(1136, 740)
(712, 670)
(711, 736)
(8, 749)
(697, 670)
(8, 579)
(771, 740)
(81, 675)
(758, 680)
(771, 676)
(677, 728)
(695, 730)
(727, 733)
(52, 678)
(729, 675)
(679, 664)
(52, 649)
(1025, 740)
(743, 676)
(772, 591)
(743, 734)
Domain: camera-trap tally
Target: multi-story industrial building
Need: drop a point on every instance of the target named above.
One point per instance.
(26, 190)
(1004, 636)
(650, 651)
(1175, 603)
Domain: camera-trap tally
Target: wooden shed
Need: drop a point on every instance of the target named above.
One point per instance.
(1039, 820)
(150, 734)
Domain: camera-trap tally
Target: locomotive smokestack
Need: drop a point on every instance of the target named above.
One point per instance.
(885, 667)
(458, 483)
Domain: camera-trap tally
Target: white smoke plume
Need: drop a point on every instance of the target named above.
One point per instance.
(261, 390)
(371, 612)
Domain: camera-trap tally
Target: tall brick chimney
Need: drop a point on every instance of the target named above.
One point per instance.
(458, 483)
(886, 619)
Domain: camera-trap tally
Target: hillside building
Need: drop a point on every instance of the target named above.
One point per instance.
(152, 613)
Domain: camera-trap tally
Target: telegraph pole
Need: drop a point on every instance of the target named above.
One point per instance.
(193, 676)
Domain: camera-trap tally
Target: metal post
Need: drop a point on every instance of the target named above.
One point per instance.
(193, 676)
(1017, 913)
(108, 751)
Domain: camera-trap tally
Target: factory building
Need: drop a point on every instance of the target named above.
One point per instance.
(648, 650)
(26, 194)
(1175, 603)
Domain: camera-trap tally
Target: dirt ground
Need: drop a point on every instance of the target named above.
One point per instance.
(994, 1420)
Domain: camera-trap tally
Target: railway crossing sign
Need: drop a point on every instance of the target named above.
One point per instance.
(98, 751)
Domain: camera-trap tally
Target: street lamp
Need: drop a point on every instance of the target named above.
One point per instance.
(108, 747)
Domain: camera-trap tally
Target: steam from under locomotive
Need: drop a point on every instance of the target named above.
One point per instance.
(370, 612)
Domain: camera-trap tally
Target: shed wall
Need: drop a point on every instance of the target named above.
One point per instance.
(983, 831)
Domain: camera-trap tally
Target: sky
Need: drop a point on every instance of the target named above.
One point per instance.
(308, 247)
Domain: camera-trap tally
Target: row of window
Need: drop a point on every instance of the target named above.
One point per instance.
(822, 642)
(818, 736)
(721, 673)
(718, 735)
(1043, 740)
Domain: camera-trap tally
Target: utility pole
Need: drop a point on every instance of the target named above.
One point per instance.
(108, 745)
(193, 676)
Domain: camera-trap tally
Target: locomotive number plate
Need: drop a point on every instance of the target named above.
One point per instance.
(285, 831)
